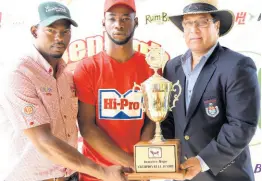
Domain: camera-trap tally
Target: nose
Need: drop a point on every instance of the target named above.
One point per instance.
(59, 36)
(194, 28)
(118, 24)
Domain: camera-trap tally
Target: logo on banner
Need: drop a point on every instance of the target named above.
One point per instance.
(77, 49)
(115, 106)
(246, 17)
(211, 108)
(157, 18)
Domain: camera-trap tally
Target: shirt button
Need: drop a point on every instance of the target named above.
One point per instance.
(187, 137)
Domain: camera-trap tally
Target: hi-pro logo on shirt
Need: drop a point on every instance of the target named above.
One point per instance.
(115, 106)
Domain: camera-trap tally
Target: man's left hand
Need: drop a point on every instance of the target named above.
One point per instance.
(192, 167)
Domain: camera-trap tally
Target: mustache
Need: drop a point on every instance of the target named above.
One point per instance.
(59, 44)
(118, 33)
(121, 42)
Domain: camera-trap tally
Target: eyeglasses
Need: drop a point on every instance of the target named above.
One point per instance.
(200, 23)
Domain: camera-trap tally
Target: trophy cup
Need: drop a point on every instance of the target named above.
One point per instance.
(158, 158)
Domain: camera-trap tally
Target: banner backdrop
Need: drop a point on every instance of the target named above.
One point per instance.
(155, 29)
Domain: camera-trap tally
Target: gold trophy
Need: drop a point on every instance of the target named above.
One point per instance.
(158, 158)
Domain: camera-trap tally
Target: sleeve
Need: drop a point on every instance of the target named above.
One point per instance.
(83, 79)
(203, 164)
(242, 112)
(23, 106)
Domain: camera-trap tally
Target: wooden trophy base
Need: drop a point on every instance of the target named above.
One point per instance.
(147, 176)
(157, 161)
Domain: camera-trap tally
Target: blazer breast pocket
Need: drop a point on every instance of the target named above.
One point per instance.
(211, 105)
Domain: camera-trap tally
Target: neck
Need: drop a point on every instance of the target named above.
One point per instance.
(196, 56)
(121, 53)
(52, 61)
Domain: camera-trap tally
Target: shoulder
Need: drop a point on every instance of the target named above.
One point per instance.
(173, 63)
(232, 59)
(93, 59)
(24, 65)
(88, 63)
(20, 74)
(140, 55)
(139, 59)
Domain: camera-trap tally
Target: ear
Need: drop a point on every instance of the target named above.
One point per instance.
(34, 31)
(218, 25)
(103, 22)
(136, 21)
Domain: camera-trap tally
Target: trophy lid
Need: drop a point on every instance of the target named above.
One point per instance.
(155, 61)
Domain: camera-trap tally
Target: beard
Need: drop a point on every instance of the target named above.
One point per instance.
(56, 55)
(123, 41)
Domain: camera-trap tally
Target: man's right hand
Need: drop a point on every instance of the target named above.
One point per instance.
(114, 173)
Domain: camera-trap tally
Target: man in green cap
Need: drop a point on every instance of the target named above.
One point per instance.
(40, 109)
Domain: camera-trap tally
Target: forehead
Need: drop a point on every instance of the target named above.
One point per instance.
(61, 23)
(196, 16)
(119, 9)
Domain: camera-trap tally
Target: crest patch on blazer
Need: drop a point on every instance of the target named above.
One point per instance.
(211, 107)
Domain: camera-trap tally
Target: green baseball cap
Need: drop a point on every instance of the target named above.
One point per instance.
(51, 11)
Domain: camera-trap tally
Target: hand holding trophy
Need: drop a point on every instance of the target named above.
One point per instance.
(158, 158)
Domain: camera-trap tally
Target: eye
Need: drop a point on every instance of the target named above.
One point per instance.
(187, 23)
(126, 18)
(111, 19)
(50, 30)
(67, 31)
(202, 22)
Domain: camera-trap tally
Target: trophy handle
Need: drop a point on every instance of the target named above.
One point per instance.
(176, 95)
(133, 90)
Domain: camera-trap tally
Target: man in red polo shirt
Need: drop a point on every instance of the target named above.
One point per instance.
(110, 117)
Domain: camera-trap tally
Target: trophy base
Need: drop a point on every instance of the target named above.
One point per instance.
(147, 176)
(159, 160)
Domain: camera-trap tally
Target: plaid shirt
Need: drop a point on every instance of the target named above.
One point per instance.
(32, 97)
